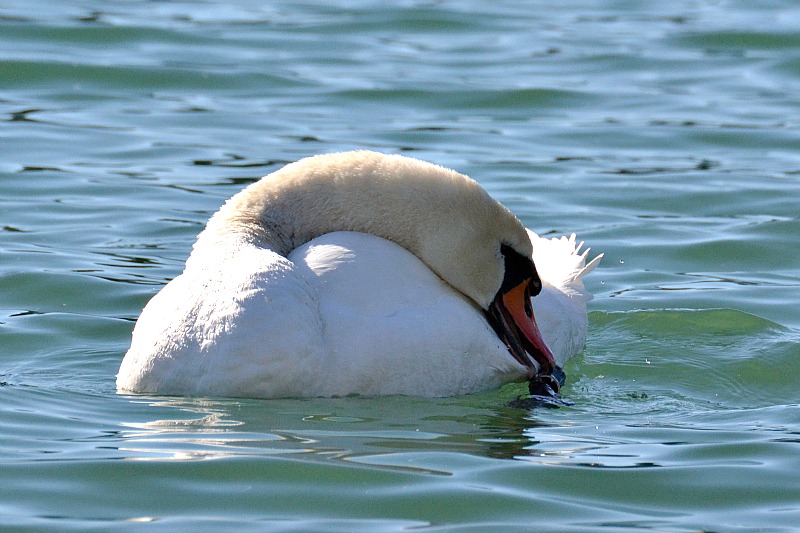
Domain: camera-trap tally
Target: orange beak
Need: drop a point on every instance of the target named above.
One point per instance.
(512, 317)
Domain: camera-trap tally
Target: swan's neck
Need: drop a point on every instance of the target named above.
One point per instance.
(303, 201)
(444, 218)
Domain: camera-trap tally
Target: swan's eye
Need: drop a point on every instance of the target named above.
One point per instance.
(535, 286)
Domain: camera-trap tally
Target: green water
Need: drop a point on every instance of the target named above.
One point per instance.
(666, 135)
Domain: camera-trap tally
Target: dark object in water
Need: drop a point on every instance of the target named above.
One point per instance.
(543, 391)
(547, 384)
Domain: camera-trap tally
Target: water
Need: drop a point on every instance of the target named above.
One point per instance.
(665, 136)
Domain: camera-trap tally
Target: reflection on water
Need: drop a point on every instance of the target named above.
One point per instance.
(358, 431)
(209, 429)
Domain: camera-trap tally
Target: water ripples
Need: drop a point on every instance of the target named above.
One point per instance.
(664, 137)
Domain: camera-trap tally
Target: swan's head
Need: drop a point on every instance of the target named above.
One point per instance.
(445, 218)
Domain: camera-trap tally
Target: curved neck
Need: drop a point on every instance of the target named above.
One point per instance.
(444, 218)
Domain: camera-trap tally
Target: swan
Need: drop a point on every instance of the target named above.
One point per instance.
(360, 273)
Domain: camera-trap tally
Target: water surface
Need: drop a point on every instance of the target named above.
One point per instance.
(665, 136)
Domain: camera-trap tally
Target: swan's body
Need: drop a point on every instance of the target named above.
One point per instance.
(353, 273)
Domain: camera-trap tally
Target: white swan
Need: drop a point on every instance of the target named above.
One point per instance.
(360, 273)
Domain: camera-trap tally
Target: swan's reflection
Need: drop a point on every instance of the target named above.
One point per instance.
(384, 432)
(201, 429)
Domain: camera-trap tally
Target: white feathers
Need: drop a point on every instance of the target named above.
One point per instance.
(260, 312)
(560, 308)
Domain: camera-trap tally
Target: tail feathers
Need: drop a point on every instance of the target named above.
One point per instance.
(561, 263)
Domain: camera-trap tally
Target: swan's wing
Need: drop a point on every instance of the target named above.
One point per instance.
(393, 327)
